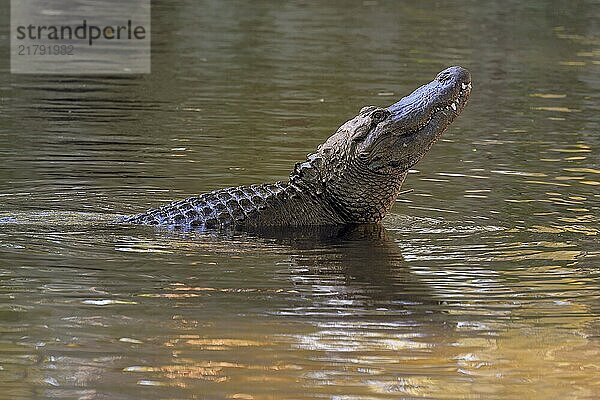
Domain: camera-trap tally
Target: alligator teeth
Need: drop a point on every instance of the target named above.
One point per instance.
(453, 106)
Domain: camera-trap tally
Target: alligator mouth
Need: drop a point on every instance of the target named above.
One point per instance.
(449, 109)
(458, 103)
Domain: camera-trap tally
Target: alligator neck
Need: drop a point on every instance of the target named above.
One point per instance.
(355, 193)
(293, 203)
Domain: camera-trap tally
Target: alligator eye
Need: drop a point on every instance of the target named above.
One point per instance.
(367, 109)
(378, 116)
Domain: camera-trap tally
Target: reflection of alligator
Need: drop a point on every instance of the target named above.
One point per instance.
(354, 177)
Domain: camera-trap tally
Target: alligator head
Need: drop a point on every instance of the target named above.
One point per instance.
(359, 170)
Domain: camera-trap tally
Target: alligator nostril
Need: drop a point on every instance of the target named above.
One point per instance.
(444, 76)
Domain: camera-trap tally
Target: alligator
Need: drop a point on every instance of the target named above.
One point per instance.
(352, 178)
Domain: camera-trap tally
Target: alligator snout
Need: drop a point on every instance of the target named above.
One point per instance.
(455, 74)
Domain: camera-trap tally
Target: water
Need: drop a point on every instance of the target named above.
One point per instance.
(484, 284)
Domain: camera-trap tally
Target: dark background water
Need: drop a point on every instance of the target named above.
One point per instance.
(484, 284)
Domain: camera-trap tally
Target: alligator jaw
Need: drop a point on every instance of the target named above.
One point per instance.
(440, 101)
(456, 105)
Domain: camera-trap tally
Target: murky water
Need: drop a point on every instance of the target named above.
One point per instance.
(484, 284)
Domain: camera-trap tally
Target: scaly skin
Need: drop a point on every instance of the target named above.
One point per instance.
(352, 178)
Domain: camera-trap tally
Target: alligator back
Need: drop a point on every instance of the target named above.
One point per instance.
(219, 208)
